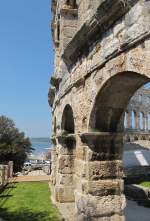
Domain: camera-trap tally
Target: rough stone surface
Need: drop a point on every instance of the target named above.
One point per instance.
(102, 51)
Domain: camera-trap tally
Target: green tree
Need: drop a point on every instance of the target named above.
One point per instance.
(14, 146)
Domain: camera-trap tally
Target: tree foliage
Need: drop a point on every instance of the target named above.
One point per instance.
(14, 146)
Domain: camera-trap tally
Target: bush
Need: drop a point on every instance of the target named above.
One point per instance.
(14, 146)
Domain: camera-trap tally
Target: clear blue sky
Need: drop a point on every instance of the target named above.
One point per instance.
(26, 62)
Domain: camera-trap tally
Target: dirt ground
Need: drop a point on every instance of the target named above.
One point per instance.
(36, 175)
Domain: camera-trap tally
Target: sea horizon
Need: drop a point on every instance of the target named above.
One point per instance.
(41, 145)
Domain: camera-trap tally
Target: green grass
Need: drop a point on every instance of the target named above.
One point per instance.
(145, 184)
(27, 202)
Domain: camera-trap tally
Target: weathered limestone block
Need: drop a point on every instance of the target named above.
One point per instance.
(64, 194)
(79, 183)
(147, 44)
(66, 151)
(104, 187)
(103, 146)
(99, 207)
(81, 152)
(80, 168)
(105, 169)
(111, 48)
(4, 175)
(65, 179)
(66, 164)
(117, 217)
(133, 15)
(119, 27)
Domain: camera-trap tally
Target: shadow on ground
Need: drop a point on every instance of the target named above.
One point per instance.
(24, 215)
(17, 213)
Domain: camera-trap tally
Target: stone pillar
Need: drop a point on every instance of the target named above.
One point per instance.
(10, 166)
(101, 196)
(136, 121)
(145, 122)
(129, 120)
(2, 175)
(64, 186)
(139, 121)
(54, 159)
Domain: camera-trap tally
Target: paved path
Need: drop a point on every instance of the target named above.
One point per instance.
(31, 178)
(37, 175)
(134, 212)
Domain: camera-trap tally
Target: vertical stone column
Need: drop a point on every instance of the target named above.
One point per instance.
(10, 165)
(101, 196)
(54, 158)
(3, 175)
(64, 187)
(136, 121)
(128, 119)
(145, 122)
(68, 29)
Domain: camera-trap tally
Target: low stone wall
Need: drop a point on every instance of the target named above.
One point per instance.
(47, 169)
(6, 172)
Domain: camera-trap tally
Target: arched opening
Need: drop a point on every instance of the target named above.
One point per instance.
(67, 124)
(67, 142)
(106, 119)
(112, 100)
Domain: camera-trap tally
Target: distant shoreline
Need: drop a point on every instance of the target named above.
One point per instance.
(41, 145)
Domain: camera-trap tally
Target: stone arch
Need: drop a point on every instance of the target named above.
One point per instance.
(67, 124)
(67, 146)
(112, 100)
(105, 129)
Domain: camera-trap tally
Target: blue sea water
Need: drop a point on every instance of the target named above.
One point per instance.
(40, 145)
